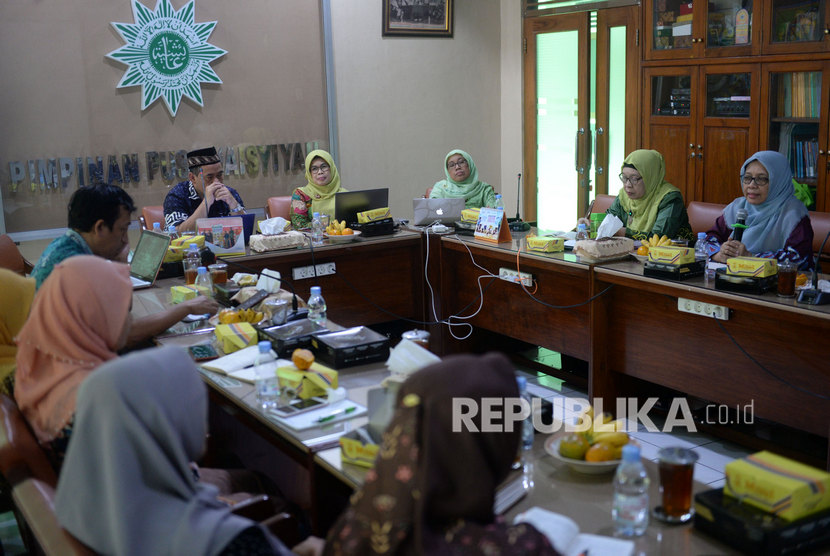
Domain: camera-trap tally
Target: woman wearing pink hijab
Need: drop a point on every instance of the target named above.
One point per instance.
(79, 320)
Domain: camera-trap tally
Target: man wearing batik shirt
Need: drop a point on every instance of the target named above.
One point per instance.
(203, 195)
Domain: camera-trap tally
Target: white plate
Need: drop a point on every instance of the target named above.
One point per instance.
(578, 465)
(342, 239)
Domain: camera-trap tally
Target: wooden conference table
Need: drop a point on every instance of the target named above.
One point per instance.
(628, 326)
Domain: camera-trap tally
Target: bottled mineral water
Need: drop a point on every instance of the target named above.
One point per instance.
(701, 253)
(317, 306)
(630, 510)
(316, 230)
(203, 279)
(267, 385)
(527, 424)
(581, 231)
(499, 203)
(157, 227)
(171, 231)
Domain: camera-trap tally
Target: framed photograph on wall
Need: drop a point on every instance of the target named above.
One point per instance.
(417, 18)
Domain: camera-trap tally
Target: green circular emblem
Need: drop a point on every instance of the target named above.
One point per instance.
(168, 53)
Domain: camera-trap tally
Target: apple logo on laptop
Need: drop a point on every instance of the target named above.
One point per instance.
(440, 211)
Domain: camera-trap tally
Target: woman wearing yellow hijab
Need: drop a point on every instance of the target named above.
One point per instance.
(318, 194)
(16, 294)
(647, 204)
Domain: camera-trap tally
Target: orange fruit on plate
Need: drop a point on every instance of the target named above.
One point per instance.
(642, 250)
(573, 446)
(302, 359)
(601, 452)
(801, 279)
(348, 232)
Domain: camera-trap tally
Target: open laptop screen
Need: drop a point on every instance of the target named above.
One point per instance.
(148, 255)
(348, 203)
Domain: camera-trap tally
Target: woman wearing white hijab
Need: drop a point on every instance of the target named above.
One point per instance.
(126, 486)
(777, 223)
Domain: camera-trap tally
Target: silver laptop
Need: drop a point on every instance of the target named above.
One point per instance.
(147, 258)
(445, 211)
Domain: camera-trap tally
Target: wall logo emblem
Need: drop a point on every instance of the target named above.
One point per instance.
(167, 54)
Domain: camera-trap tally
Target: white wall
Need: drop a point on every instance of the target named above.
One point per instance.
(403, 103)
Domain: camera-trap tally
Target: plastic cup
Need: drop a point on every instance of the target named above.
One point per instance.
(420, 337)
(677, 467)
(276, 310)
(218, 273)
(787, 271)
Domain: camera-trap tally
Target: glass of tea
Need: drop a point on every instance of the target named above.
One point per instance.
(677, 466)
(787, 271)
(218, 273)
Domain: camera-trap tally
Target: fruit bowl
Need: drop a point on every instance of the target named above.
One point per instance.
(578, 465)
(342, 239)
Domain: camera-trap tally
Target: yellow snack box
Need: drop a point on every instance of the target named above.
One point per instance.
(184, 241)
(671, 254)
(308, 383)
(174, 254)
(470, 215)
(354, 450)
(751, 266)
(545, 244)
(372, 215)
(778, 485)
(233, 337)
(183, 293)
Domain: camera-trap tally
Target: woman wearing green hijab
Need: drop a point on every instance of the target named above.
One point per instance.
(647, 204)
(318, 194)
(462, 181)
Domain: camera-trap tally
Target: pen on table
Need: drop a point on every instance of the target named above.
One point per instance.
(334, 414)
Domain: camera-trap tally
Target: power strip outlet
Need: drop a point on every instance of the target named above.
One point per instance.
(700, 308)
(303, 272)
(510, 275)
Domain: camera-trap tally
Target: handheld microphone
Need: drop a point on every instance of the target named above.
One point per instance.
(295, 313)
(517, 225)
(815, 296)
(740, 225)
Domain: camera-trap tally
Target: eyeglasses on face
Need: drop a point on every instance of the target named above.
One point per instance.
(452, 165)
(319, 169)
(633, 180)
(760, 181)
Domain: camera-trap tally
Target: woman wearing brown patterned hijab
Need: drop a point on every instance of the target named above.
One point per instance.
(432, 490)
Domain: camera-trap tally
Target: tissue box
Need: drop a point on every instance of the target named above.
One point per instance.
(185, 241)
(470, 215)
(545, 244)
(354, 449)
(183, 293)
(309, 383)
(778, 485)
(373, 215)
(671, 255)
(233, 337)
(751, 266)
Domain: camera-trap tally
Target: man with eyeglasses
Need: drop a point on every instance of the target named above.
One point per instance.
(203, 195)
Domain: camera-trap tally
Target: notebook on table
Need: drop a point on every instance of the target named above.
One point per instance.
(445, 211)
(348, 203)
(147, 258)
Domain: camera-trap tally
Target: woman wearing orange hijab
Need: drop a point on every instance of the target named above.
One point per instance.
(79, 319)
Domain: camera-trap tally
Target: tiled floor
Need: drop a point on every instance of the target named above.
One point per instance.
(714, 453)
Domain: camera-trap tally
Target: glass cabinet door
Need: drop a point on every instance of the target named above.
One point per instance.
(728, 95)
(671, 95)
(729, 27)
(796, 26)
(671, 23)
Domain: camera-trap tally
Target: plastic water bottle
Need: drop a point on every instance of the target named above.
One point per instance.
(191, 262)
(702, 253)
(316, 230)
(630, 510)
(317, 306)
(267, 385)
(157, 227)
(527, 424)
(171, 231)
(499, 204)
(581, 231)
(203, 279)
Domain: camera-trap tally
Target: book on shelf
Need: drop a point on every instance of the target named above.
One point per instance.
(799, 94)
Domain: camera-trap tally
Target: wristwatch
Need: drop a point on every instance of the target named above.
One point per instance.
(239, 208)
